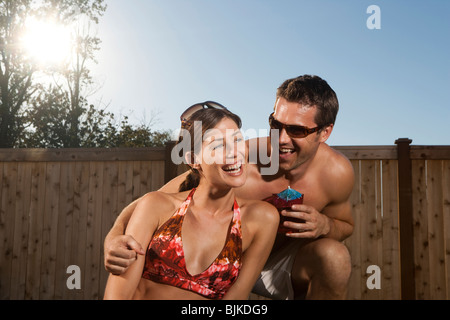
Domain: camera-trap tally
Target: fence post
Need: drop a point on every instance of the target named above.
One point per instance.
(408, 288)
(170, 168)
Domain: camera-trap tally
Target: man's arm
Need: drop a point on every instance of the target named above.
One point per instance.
(119, 249)
(339, 210)
(335, 220)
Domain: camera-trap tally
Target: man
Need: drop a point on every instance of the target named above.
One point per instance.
(310, 262)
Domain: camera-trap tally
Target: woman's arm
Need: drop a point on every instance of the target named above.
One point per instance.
(262, 223)
(120, 249)
(141, 226)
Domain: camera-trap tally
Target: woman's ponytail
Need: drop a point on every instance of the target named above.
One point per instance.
(192, 181)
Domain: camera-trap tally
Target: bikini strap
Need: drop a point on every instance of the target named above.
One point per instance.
(237, 216)
(184, 206)
(191, 194)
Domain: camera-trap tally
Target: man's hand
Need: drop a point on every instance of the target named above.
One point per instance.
(313, 224)
(120, 253)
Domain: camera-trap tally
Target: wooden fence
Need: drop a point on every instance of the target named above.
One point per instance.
(56, 206)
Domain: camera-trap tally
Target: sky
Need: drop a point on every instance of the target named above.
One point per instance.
(158, 57)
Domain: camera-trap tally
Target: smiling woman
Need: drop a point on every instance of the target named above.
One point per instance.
(46, 41)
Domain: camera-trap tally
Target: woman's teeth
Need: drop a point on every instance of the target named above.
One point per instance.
(233, 168)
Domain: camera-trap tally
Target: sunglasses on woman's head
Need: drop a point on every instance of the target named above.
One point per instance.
(198, 106)
(293, 131)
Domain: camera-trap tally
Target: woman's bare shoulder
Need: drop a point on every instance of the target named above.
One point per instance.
(163, 200)
(258, 210)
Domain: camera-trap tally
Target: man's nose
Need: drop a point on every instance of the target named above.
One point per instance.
(284, 137)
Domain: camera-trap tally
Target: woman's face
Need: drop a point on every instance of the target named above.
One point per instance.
(223, 155)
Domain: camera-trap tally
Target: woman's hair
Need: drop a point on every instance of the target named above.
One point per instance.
(208, 118)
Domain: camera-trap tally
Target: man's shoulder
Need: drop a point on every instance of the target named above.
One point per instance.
(335, 159)
(337, 170)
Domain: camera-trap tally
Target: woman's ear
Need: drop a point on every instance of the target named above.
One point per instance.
(189, 158)
(192, 160)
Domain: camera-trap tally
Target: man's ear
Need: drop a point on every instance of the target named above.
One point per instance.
(326, 132)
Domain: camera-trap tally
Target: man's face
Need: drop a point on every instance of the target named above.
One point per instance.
(297, 151)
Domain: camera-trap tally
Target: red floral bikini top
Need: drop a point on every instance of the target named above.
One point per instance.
(165, 263)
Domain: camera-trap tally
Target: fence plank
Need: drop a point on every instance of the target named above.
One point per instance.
(136, 179)
(82, 154)
(378, 293)
(94, 227)
(145, 177)
(9, 204)
(430, 152)
(129, 186)
(36, 227)
(446, 214)
(369, 241)
(421, 245)
(121, 186)
(64, 231)
(157, 179)
(354, 242)
(50, 231)
(391, 246)
(109, 212)
(79, 234)
(436, 229)
(21, 221)
(368, 152)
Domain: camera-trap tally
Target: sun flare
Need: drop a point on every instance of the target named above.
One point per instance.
(46, 41)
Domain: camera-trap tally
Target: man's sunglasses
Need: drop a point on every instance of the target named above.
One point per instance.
(198, 106)
(292, 130)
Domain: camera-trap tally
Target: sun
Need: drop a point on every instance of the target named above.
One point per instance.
(46, 42)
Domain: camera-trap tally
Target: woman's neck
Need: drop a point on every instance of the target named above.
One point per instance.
(213, 199)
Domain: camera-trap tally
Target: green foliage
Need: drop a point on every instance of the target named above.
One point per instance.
(140, 136)
(50, 126)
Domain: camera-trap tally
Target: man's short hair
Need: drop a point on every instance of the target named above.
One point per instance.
(312, 91)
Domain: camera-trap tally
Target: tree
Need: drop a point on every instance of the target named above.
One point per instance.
(140, 136)
(50, 123)
(16, 70)
(72, 79)
(16, 85)
(58, 114)
(96, 128)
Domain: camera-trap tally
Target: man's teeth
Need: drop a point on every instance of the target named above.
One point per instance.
(286, 150)
(234, 167)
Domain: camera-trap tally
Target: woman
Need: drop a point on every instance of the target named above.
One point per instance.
(214, 245)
